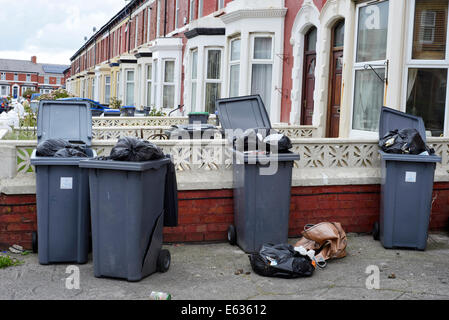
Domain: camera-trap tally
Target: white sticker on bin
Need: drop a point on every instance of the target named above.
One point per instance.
(410, 177)
(66, 183)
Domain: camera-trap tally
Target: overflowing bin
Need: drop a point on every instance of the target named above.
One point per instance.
(129, 203)
(261, 197)
(201, 117)
(406, 188)
(62, 188)
(128, 111)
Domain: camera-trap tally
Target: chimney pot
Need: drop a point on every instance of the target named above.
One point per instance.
(34, 59)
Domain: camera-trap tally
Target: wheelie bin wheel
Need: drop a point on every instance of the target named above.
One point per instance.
(376, 231)
(34, 241)
(163, 261)
(232, 237)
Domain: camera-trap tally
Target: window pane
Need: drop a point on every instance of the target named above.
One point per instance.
(213, 91)
(169, 97)
(193, 102)
(130, 94)
(130, 76)
(169, 71)
(339, 34)
(213, 64)
(426, 97)
(372, 32)
(262, 48)
(149, 71)
(368, 99)
(430, 27)
(235, 50)
(261, 83)
(194, 64)
(311, 39)
(234, 81)
(148, 93)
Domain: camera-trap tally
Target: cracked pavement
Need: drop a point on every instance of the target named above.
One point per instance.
(207, 271)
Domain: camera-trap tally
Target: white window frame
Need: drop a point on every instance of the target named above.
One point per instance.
(168, 84)
(126, 85)
(28, 77)
(424, 64)
(3, 76)
(46, 80)
(192, 10)
(234, 63)
(207, 80)
(220, 4)
(16, 77)
(156, 96)
(58, 80)
(200, 8)
(107, 85)
(192, 80)
(253, 61)
(158, 20)
(357, 66)
(117, 85)
(148, 84)
(93, 88)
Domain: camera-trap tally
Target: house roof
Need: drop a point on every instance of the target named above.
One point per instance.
(20, 66)
(26, 66)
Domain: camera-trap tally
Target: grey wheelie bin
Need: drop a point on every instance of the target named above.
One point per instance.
(62, 188)
(406, 188)
(261, 195)
(127, 208)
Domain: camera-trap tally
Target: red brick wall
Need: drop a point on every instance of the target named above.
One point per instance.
(17, 220)
(206, 215)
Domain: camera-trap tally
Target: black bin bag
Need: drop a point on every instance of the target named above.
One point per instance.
(74, 152)
(281, 261)
(135, 150)
(405, 141)
(171, 197)
(48, 148)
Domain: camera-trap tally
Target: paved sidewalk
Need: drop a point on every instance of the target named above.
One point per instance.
(208, 272)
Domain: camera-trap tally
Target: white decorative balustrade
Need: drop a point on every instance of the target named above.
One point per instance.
(206, 164)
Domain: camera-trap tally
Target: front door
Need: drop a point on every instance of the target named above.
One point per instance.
(15, 92)
(335, 82)
(309, 77)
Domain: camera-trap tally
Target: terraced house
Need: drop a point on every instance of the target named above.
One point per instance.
(17, 76)
(329, 64)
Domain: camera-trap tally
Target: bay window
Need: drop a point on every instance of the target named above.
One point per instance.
(262, 68)
(370, 65)
(93, 88)
(168, 84)
(117, 85)
(212, 79)
(234, 68)
(194, 80)
(129, 94)
(427, 64)
(149, 78)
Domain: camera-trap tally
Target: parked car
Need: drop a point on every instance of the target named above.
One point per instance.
(4, 105)
(96, 108)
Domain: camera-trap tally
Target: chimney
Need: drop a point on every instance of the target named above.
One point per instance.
(34, 59)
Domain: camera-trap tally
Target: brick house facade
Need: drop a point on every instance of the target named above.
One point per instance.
(16, 76)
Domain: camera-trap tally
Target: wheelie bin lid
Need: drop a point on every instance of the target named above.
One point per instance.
(391, 119)
(68, 120)
(247, 112)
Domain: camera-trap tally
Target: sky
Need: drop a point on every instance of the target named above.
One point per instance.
(52, 30)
